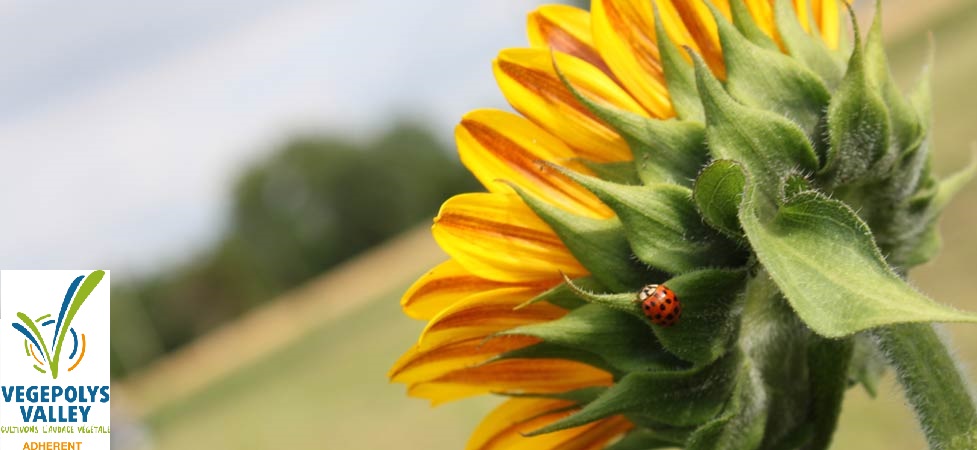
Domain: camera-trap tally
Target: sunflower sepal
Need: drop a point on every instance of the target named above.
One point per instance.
(663, 225)
(858, 127)
(679, 398)
(645, 439)
(766, 144)
(742, 423)
(784, 86)
(599, 245)
(718, 193)
(620, 339)
(828, 362)
(665, 151)
(678, 74)
(623, 172)
(810, 51)
(744, 22)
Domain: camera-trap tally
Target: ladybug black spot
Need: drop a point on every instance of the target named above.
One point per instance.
(662, 307)
(669, 317)
(668, 300)
(658, 316)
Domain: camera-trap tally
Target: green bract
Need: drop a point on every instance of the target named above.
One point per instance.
(784, 207)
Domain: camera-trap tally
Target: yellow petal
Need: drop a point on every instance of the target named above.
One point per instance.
(447, 284)
(565, 29)
(762, 12)
(803, 14)
(482, 314)
(624, 32)
(511, 376)
(701, 25)
(530, 83)
(495, 145)
(504, 428)
(498, 237)
(826, 14)
(418, 365)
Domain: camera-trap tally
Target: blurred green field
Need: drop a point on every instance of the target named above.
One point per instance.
(330, 391)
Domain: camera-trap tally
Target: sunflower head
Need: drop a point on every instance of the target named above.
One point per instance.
(699, 210)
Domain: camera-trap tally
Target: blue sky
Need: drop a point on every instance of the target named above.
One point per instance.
(123, 123)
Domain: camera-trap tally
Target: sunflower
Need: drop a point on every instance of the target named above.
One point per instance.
(603, 183)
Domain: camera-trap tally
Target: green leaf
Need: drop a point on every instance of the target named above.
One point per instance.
(828, 362)
(743, 20)
(709, 324)
(598, 244)
(824, 260)
(741, 425)
(662, 225)
(718, 193)
(766, 144)
(676, 398)
(783, 85)
(858, 125)
(624, 341)
(678, 75)
(808, 49)
(579, 396)
(665, 151)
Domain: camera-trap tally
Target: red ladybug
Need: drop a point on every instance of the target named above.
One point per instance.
(660, 304)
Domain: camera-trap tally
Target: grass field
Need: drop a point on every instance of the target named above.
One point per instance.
(329, 390)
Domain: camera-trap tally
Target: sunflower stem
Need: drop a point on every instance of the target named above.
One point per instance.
(935, 385)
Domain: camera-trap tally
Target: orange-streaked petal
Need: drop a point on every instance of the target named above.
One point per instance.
(496, 145)
(803, 14)
(511, 376)
(565, 29)
(480, 315)
(418, 365)
(504, 428)
(530, 83)
(447, 284)
(826, 14)
(624, 33)
(701, 25)
(498, 237)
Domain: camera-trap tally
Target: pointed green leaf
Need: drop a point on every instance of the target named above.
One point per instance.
(742, 423)
(598, 244)
(823, 258)
(709, 324)
(678, 75)
(766, 144)
(717, 193)
(677, 398)
(579, 396)
(662, 225)
(828, 361)
(744, 22)
(808, 49)
(858, 125)
(624, 341)
(783, 86)
(665, 151)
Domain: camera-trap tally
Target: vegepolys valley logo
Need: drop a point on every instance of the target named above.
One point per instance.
(51, 342)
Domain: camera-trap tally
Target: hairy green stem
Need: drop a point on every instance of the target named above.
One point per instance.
(934, 385)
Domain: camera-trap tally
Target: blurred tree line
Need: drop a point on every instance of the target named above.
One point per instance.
(313, 203)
